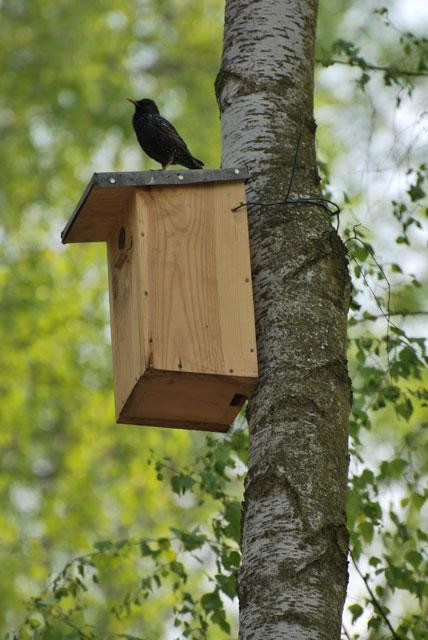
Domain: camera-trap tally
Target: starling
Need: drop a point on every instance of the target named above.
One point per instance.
(158, 138)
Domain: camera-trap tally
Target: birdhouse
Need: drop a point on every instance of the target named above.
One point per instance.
(181, 305)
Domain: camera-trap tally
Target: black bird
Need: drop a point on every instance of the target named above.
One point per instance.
(158, 138)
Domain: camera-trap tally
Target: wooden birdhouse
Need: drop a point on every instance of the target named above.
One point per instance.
(181, 305)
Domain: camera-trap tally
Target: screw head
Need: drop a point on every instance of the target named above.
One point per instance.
(112, 180)
(236, 171)
(180, 177)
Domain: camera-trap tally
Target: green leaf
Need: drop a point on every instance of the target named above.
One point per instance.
(416, 193)
(356, 611)
(103, 545)
(164, 544)
(375, 622)
(393, 469)
(391, 392)
(417, 500)
(62, 592)
(414, 557)
(363, 80)
(231, 560)
(191, 540)
(178, 569)
(421, 535)
(227, 584)
(182, 483)
(211, 601)
(36, 621)
(212, 604)
(401, 240)
(219, 618)
(405, 409)
(374, 561)
(232, 515)
(366, 529)
(146, 550)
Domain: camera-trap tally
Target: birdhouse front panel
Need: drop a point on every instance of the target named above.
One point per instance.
(199, 279)
(182, 318)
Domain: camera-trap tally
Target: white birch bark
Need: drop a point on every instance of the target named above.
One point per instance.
(293, 576)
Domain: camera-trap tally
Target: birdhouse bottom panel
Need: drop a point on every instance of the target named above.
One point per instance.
(186, 400)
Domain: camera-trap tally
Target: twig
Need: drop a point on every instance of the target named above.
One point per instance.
(375, 601)
(403, 314)
(371, 67)
(345, 632)
(386, 315)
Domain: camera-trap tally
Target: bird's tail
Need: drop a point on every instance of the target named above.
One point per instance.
(192, 163)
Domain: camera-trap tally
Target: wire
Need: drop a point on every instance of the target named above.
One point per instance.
(315, 200)
(331, 207)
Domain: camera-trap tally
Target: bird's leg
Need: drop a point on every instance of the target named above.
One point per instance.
(170, 161)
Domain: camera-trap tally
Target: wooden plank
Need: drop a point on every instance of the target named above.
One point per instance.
(142, 248)
(234, 284)
(125, 294)
(183, 321)
(101, 213)
(175, 424)
(201, 316)
(186, 400)
(107, 194)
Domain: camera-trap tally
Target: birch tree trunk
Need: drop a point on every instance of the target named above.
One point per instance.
(293, 577)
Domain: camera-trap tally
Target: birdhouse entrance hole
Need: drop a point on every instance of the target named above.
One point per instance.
(121, 241)
(181, 308)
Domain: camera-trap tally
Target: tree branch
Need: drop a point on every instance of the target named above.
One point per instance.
(403, 314)
(375, 601)
(346, 632)
(372, 67)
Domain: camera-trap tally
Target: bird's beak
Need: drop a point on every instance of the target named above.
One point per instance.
(131, 100)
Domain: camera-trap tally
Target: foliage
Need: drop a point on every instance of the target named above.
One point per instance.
(410, 57)
(165, 561)
(390, 374)
(77, 494)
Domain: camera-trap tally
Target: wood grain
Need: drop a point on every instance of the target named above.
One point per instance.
(186, 400)
(100, 214)
(201, 316)
(106, 197)
(125, 295)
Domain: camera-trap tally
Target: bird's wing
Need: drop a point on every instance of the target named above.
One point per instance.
(165, 128)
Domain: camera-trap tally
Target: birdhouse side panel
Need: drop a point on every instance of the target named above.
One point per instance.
(126, 291)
